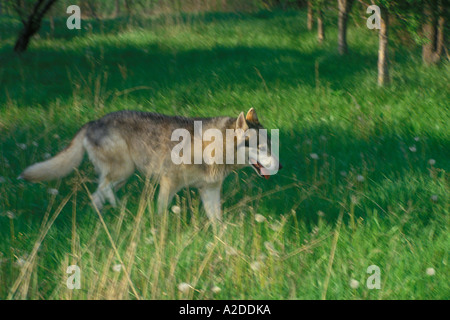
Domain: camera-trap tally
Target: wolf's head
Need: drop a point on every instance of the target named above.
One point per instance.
(261, 151)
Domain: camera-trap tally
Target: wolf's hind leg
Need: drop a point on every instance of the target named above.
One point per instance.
(114, 165)
(104, 193)
(106, 188)
(98, 199)
(109, 194)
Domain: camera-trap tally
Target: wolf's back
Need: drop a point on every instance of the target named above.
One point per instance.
(60, 165)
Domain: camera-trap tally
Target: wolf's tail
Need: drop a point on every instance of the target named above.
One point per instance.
(60, 165)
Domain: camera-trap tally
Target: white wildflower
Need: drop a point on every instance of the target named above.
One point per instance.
(52, 191)
(320, 213)
(270, 248)
(354, 284)
(176, 209)
(255, 265)
(413, 149)
(216, 289)
(22, 146)
(10, 214)
(434, 197)
(314, 156)
(47, 155)
(117, 267)
(431, 162)
(260, 218)
(276, 226)
(34, 143)
(360, 178)
(430, 272)
(184, 287)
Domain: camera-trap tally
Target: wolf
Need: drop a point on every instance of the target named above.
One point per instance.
(121, 142)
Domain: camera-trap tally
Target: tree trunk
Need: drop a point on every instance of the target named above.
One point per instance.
(128, 7)
(433, 30)
(52, 26)
(93, 10)
(440, 39)
(32, 24)
(344, 9)
(383, 68)
(117, 8)
(320, 26)
(24, 37)
(310, 18)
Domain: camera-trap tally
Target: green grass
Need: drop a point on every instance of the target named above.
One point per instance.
(323, 228)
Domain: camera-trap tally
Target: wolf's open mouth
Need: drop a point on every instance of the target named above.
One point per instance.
(259, 168)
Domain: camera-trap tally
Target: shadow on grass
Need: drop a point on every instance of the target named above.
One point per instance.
(53, 73)
(162, 66)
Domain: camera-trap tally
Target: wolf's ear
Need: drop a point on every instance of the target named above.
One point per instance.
(251, 116)
(241, 123)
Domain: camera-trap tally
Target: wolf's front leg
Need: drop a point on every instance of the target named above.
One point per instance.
(210, 195)
(166, 192)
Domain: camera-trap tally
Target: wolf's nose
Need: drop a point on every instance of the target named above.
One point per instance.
(280, 166)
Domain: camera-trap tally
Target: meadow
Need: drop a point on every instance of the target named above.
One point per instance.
(365, 169)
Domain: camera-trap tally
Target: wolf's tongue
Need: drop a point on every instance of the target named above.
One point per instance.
(264, 172)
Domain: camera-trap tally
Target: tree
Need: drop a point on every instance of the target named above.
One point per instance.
(128, 7)
(345, 7)
(433, 30)
(383, 41)
(310, 17)
(424, 18)
(320, 26)
(117, 8)
(32, 24)
(318, 7)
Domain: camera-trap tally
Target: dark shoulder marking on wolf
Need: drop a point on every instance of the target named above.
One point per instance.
(134, 121)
